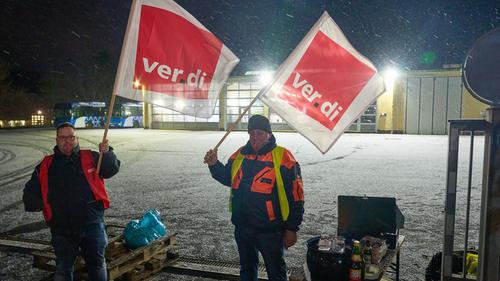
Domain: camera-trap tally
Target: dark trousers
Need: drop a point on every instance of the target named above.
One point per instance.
(270, 244)
(91, 243)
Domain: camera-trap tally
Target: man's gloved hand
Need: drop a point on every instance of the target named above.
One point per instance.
(211, 157)
(289, 238)
(104, 146)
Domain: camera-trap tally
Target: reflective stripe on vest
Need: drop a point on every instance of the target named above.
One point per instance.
(235, 167)
(96, 183)
(277, 159)
(43, 179)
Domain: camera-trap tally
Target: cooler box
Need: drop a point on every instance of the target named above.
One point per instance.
(359, 216)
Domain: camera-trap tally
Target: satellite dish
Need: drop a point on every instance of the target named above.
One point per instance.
(481, 70)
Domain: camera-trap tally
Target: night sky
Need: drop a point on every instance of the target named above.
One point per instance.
(43, 36)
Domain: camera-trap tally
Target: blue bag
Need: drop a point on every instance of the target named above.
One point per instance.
(140, 233)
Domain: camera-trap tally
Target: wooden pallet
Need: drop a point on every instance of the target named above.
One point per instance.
(148, 270)
(122, 263)
(139, 264)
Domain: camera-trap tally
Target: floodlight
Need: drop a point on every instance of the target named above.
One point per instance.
(265, 76)
(390, 74)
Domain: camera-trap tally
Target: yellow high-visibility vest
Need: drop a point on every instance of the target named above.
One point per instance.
(277, 159)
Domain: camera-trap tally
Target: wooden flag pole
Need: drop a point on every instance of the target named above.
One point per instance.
(108, 119)
(119, 74)
(244, 112)
(235, 123)
(239, 118)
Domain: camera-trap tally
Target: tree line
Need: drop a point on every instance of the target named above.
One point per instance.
(92, 82)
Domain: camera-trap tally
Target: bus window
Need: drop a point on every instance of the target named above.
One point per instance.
(126, 111)
(131, 115)
(80, 114)
(135, 110)
(117, 111)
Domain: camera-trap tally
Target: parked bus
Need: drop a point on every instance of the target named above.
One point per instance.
(93, 114)
(126, 115)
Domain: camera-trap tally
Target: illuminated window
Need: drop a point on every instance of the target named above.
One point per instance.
(37, 120)
(240, 93)
(161, 114)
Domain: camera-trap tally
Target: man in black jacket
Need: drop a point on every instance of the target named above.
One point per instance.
(72, 196)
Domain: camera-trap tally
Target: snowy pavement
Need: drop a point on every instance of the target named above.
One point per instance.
(164, 170)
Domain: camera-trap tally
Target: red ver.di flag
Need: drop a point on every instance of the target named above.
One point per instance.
(170, 59)
(324, 85)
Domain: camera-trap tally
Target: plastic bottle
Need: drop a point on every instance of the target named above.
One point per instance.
(367, 253)
(367, 256)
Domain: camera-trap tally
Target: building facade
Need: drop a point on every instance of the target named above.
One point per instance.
(422, 102)
(416, 102)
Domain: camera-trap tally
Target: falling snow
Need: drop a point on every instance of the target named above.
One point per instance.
(261, 33)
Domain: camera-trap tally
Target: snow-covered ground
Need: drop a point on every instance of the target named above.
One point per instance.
(164, 170)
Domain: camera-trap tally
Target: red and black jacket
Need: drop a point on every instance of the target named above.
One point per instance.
(255, 200)
(68, 190)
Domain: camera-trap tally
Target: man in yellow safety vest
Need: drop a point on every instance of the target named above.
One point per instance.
(266, 199)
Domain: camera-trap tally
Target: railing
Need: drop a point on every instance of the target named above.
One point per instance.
(489, 233)
(458, 128)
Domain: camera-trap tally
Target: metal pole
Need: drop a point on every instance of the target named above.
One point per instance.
(467, 213)
(489, 238)
(450, 203)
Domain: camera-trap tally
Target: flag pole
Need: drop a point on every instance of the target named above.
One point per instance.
(242, 114)
(108, 119)
(235, 123)
(119, 73)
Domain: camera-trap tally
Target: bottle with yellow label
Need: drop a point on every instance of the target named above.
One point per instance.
(357, 266)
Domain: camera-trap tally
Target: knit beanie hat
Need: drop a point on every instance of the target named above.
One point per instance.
(259, 122)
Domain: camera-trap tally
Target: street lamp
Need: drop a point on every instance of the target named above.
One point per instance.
(390, 74)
